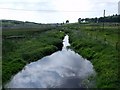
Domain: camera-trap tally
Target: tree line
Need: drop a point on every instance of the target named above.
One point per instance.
(113, 18)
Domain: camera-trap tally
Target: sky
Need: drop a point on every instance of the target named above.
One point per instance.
(55, 11)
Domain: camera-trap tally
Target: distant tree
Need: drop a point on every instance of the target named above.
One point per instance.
(82, 20)
(67, 21)
(96, 20)
(79, 20)
(87, 19)
(113, 18)
(116, 15)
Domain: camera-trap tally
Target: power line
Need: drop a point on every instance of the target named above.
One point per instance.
(47, 2)
(28, 10)
(46, 10)
(22, 2)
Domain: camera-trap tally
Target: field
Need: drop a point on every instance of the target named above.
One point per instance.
(21, 47)
(100, 46)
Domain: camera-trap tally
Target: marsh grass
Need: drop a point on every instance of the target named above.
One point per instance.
(98, 46)
(17, 52)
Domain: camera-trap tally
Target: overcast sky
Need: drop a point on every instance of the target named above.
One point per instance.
(55, 11)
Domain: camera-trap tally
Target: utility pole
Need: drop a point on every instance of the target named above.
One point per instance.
(103, 19)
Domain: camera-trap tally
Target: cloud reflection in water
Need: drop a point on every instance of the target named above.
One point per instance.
(62, 69)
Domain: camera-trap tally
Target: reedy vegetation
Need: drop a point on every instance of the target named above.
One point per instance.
(32, 45)
(99, 46)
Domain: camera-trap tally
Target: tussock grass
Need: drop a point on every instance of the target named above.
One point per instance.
(98, 46)
(17, 52)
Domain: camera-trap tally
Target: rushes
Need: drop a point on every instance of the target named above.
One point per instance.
(17, 52)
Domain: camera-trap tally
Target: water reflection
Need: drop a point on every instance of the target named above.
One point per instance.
(62, 69)
(66, 42)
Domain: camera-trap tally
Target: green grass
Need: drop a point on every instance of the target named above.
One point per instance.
(36, 43)
(0, 72)
(100, 47)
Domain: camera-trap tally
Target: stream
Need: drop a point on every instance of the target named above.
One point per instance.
(62, 69)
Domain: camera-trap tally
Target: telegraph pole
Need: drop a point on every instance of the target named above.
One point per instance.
(103, 19)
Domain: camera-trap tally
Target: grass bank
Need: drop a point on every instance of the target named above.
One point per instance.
(21, 47)
(101, 47)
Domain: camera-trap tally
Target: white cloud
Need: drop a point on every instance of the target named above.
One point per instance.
(85, 8)
(55, 71)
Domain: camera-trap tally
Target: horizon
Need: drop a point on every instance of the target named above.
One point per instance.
(52, 11)
(50, 23)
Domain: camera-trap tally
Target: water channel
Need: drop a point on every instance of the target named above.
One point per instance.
(62, 69)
